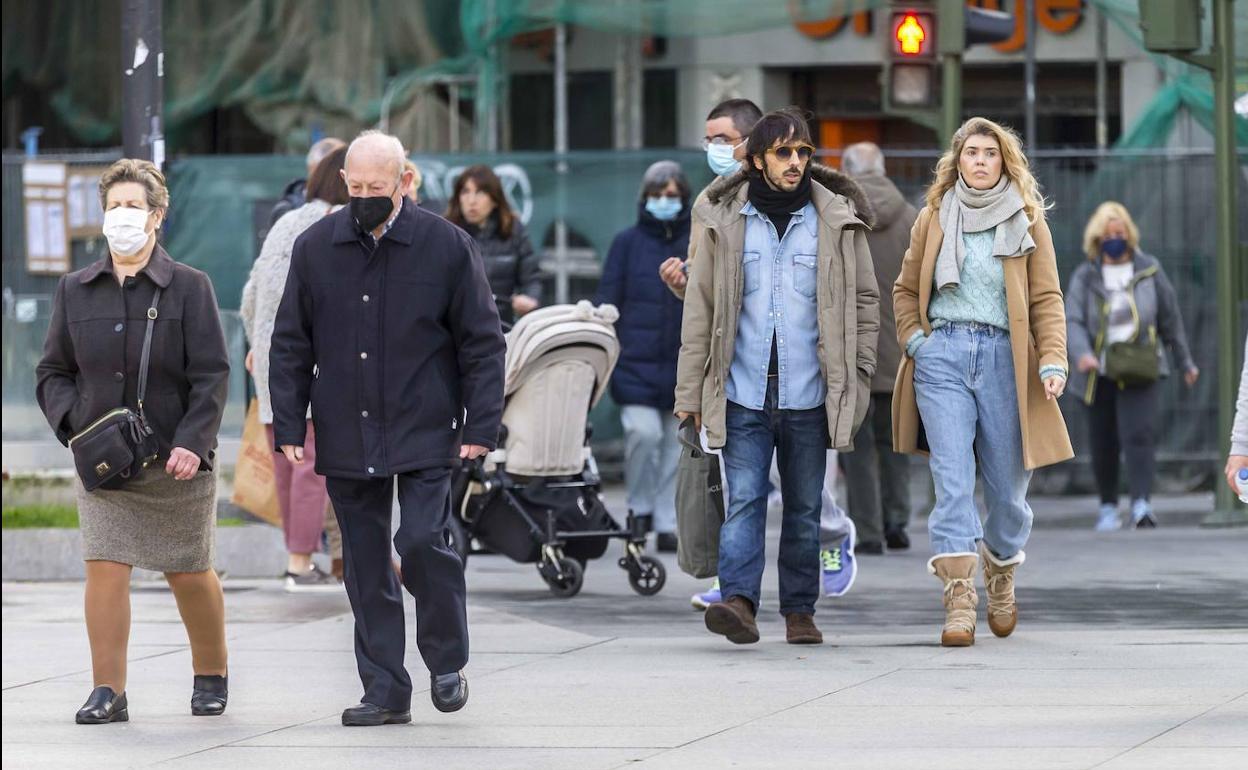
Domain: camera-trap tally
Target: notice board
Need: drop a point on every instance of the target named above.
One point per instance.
(45, 217)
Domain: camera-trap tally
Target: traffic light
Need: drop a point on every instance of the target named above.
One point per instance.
(912, 71)
(921, 29)
(963, 26)
(1170, 25)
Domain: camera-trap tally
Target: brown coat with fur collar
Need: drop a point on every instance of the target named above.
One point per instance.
(848, 302)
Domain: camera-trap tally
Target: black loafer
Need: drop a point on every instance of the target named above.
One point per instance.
(103, 706)
(449, 691)
(209, 695)
(897, 540)
(370, 715)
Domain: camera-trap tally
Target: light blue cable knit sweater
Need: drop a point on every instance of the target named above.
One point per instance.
(979, 297)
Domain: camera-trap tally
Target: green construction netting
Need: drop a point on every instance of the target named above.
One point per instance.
(289, 64)
(298, 66)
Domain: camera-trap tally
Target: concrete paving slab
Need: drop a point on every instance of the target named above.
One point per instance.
(1122, 659)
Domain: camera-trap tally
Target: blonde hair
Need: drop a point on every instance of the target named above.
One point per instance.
(1104, 214)
(1013, 161)
(142, 172)
(417, 177)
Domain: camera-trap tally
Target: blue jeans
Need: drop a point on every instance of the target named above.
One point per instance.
(964, 382)
(800, 440)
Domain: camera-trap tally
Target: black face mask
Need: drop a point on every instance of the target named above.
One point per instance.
(370, 212)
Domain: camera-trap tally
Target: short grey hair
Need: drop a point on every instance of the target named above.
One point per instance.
(383, 144)
(863, 159)
(659, 174)
(320, 149)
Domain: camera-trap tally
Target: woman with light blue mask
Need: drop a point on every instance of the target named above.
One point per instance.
(644, 380)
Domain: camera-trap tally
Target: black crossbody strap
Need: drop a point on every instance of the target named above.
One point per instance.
(147, 349)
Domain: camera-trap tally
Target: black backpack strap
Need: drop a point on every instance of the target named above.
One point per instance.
(147, 349)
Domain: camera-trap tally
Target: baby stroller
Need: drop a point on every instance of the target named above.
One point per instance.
(536, 498)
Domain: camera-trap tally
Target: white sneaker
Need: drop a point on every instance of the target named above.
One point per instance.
(1107, 520)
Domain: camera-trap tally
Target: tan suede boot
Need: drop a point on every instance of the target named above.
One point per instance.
(957, 572)
(999, 585)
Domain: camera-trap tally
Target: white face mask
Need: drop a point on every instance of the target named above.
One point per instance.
(126, 230)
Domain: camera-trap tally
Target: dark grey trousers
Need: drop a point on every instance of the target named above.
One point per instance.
(1122, 423)
(877, 478)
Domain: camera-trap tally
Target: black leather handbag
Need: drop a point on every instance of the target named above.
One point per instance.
(118, 445)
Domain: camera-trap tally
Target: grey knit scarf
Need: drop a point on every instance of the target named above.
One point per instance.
(964, 209)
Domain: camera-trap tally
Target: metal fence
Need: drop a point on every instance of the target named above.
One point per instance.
(1169, 192)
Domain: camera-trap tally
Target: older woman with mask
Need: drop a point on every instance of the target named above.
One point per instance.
(163, 519)
(1120, 301)
(644, 380)
(979, 316)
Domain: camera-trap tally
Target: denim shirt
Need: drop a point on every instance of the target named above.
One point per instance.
(779, 297)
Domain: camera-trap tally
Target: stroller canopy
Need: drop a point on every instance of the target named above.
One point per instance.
(562, 332)
(559, 361)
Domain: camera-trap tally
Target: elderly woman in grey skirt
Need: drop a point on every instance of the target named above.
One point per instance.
(164, 519)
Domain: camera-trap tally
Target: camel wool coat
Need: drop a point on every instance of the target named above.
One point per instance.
(1037, 338)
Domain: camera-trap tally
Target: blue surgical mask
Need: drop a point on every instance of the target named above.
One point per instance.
(719, 158)
(663, 209)
(1114, 248)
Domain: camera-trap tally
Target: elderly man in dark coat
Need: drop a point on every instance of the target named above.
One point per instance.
(387, 326)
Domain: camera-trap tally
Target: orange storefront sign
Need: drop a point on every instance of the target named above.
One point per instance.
(1057, 16)
(831, 24)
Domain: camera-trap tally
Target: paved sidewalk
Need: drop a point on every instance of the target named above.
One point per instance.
(1132, 652)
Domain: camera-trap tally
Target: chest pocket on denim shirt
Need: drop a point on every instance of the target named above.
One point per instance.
(805, 275)
(749, 264)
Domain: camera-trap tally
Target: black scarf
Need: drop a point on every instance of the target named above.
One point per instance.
(778, 205)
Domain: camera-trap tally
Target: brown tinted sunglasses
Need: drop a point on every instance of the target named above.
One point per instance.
(784, 152)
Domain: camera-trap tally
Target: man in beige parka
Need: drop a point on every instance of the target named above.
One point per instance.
(778, 348)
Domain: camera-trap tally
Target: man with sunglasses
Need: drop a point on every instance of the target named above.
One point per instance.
(777, 351)
(728, 126)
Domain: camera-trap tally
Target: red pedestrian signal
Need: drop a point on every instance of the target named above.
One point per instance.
(912, 35)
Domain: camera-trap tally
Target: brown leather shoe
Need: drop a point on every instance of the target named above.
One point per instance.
(799, 628)
(336, 568)
(734, 619)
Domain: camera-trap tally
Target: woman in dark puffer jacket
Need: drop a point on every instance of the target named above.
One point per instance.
(644, 380)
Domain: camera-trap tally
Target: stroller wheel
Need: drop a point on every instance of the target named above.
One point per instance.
(647, 576)
(567, 583)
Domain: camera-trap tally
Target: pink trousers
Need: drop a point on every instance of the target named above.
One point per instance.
(301, 496)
